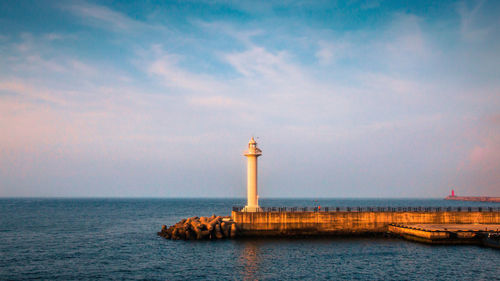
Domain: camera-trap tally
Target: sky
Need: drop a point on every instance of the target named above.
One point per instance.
(159, 98)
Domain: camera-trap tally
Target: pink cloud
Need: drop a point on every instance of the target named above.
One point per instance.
(481, 172)
(166, 67)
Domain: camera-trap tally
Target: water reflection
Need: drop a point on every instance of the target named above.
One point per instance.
(249, 259)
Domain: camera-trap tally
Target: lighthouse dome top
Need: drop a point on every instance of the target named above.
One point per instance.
(253, 150)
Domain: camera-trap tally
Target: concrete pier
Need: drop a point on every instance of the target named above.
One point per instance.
(348, 223)
(474, 198)
(445, 233)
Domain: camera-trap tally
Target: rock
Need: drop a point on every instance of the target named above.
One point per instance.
(205, 234)
(225, 229)
(170, 230)
(190, 235)
(195, 224)
(214, 221)
(218, 233)
(198, 228)
(182, 234)
(164, 232)
(198, 234)
(234, 230)
(175, 234)
(212, 224)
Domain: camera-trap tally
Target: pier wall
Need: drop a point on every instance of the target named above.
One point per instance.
(338, 223)
(474, 198)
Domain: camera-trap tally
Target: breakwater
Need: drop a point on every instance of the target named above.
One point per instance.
(295, 222)
(290, 222)
(474, 198)
(200, 228)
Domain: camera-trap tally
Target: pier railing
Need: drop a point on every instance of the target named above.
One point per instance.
(371, 209)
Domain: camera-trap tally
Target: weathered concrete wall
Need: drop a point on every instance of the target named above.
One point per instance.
(325, 223)
(430, 235)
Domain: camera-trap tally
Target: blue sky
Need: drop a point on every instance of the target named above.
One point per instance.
(159, 99)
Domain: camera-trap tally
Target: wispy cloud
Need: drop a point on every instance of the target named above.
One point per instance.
(54, 36)
(329, 52)
(468, 21)
(390, 91)
(105, 18)
(217, 102)
(258, 62)
(165, 66)
(243, 36)
(32, 94)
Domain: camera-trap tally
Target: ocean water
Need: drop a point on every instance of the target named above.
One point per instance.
(92, 239)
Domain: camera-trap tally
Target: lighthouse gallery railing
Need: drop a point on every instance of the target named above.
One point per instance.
(372, 209)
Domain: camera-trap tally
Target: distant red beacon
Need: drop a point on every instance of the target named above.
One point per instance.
(452, 193)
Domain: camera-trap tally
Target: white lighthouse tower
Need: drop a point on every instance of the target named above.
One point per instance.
(253, 198)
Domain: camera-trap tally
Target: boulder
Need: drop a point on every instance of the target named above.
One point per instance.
(234, 230)
(205, 234)
(225, 229)
(198, 233)
(198, 228)
(190, 235)
(170, 230)
(218, 233)
(195, 224)
(175, 234)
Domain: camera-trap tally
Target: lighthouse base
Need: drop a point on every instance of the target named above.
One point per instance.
(252, 209)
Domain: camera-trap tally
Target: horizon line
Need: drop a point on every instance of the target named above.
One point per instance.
(189, 197)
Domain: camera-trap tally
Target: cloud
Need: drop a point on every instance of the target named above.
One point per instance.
(32, 94)
(105, 18)
(217, 101)
(166, 67)
(480, 174)
(391, 84)
(468, 21)
(329, 52)
(54, 36)
(372, 106)
(405, 43)
(258, 62)
(244, 36)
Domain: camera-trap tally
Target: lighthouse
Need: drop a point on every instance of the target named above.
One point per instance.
(252, 196)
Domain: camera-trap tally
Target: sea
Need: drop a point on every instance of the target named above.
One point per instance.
(116, 239)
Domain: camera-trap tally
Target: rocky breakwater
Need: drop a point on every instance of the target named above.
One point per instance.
(200, 228)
